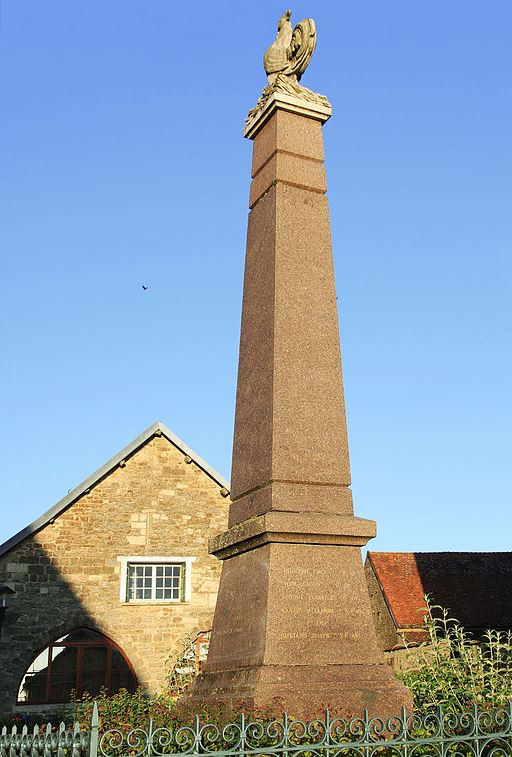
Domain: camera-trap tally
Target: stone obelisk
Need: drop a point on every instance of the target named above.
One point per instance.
(293, 621)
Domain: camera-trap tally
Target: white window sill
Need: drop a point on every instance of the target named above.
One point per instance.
(140, 602)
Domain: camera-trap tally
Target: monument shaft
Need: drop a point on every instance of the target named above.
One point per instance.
(290, 416)
(293, 621)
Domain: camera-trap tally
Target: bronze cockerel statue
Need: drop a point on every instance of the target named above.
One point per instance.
(291, 51)
(286, 60)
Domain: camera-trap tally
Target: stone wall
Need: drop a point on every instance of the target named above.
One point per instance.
(403, 659)
(156, 503)
(387, 635)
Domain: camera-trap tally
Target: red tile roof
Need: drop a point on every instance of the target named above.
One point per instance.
(475, 586)
(401, 584)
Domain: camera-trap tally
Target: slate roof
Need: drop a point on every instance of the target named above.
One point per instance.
(476, 587)
(156, 428)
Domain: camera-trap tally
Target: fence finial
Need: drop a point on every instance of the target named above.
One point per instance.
(93, 740)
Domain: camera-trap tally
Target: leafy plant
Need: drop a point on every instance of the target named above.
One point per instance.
(126, 711)
(123, 710)
(455, 671)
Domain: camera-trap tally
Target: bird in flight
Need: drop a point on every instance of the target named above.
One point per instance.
(144, 287)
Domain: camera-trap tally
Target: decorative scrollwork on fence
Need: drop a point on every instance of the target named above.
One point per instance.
(477, 733)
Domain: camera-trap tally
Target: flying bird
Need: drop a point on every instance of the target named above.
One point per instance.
(144, 287)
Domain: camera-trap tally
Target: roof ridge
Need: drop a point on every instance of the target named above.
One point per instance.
(105, 470)
(448, 552)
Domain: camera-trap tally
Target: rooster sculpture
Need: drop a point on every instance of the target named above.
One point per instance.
(291, 51)
(285, 61)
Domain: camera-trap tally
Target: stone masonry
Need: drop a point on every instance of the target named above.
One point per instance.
(157, 502)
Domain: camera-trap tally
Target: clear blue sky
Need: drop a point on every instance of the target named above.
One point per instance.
(122, 163)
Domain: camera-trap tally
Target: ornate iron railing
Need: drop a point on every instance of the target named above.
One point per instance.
(46, 741)
(478, 733)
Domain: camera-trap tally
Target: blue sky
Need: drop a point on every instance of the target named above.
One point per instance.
(122, 163)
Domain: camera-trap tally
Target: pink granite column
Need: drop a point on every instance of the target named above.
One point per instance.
(293, 619)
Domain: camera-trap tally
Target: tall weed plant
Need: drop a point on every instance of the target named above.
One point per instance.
(455, 671)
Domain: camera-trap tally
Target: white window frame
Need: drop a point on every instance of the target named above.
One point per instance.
(185, 562)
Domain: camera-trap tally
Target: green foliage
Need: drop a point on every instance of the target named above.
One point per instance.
(453, 670)
(123, 710)
(126, 711)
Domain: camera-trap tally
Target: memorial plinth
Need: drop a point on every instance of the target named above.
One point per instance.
(293, 621)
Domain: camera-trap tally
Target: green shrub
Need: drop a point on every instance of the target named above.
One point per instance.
(453, 670)
(126, 711)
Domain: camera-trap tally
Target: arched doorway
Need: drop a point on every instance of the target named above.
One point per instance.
(80, 661)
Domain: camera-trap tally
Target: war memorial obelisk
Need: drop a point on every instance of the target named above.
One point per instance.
(293, 621)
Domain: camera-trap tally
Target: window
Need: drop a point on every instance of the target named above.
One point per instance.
(81, 661)
(155, 582)
(155, 579)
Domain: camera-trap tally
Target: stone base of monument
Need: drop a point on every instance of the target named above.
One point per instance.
(306, 690)
(293, 626)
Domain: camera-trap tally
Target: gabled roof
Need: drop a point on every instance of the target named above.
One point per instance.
(476, 587)
(158, 428)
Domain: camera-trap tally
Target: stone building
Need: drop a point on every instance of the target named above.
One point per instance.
(113, 577)
(474, 586)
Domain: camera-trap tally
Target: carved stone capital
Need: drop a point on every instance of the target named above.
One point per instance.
(313, 106)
